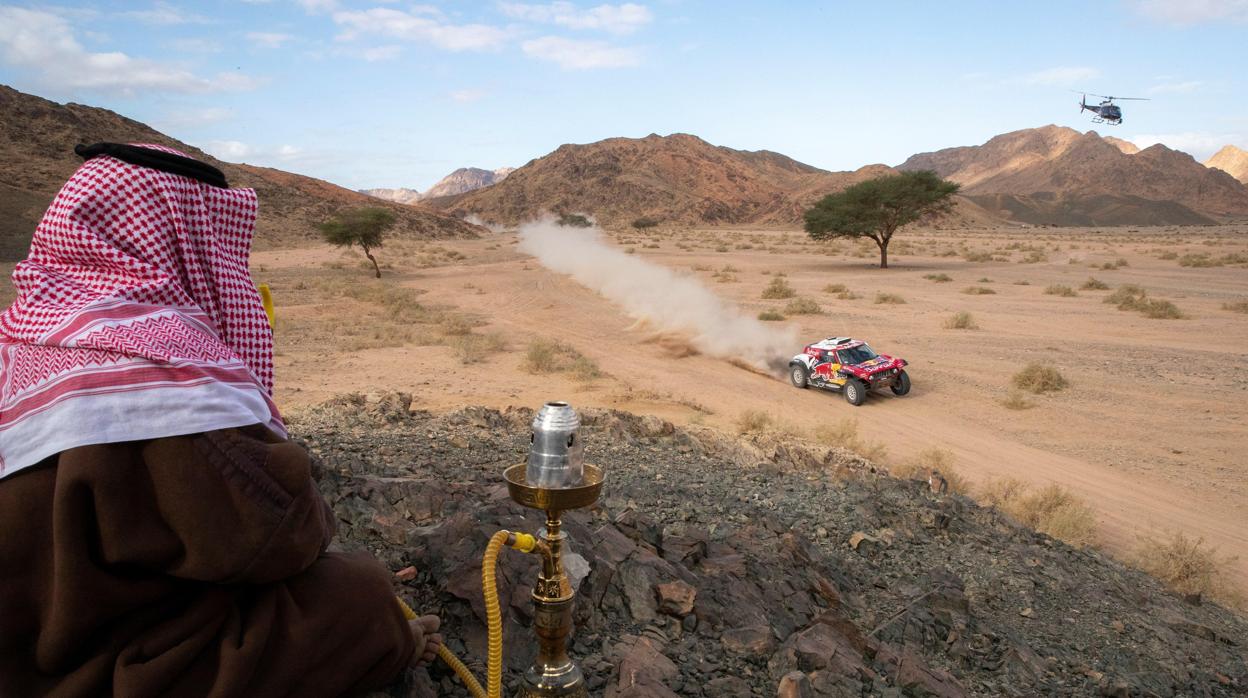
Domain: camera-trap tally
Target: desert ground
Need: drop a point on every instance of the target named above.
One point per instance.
(1151, 432)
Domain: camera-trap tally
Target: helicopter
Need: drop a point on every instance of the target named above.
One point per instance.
(1106, 112)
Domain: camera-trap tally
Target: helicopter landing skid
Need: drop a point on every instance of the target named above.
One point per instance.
(1097, 120)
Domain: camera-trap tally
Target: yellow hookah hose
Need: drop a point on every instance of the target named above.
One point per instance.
(493, 615)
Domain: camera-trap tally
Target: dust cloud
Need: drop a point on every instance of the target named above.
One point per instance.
(660, 299)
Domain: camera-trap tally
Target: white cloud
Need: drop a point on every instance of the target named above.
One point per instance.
(1062, 76)
(397, 24)
(238, 151)
(373, 54)
(268, 39)
(1199, 144)
(231, 151)
(162, 13)
(572, 54)
(1179, 88)
(617, 19)
(317, 6)
(1188, 12)
(43, 44)
(466, 96)
(188, 118)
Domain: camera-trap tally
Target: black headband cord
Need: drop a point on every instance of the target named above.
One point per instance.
(157, 160)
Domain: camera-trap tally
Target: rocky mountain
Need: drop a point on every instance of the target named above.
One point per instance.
(675, 179)
(725, 568)
(1125, 146)
(1231, 160)
(398, 196)
(1060, 176)
(461, 181)
(37, 139)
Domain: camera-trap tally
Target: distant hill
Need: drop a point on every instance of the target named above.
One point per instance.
(461, 181)
(674, 179)
(1057, 175)
(1231, 160)
(37, 139)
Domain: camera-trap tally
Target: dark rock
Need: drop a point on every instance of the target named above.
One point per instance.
(676, 598)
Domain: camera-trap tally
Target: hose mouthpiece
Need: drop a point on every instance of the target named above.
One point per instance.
(556, 455)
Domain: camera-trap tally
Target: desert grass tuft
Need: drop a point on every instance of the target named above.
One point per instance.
(1060, 290)
(889, 299)
(961, 321)
(1189, 566)
(802, 306)
(778, 289)
(1039, 378)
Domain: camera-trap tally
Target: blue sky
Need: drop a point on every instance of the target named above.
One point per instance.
(381, 93)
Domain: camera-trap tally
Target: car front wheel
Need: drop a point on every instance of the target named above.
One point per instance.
(855, 392)
(901, 386)
(797, 374)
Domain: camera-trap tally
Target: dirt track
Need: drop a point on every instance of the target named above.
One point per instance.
(1152, 432)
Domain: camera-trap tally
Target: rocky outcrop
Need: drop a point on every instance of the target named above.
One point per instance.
(718, 571)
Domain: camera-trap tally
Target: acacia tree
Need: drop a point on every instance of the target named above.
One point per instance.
(366, 227)
(877, 207)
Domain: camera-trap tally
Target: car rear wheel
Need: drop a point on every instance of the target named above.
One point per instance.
(798, 375)
(901, 386)
(855, 392)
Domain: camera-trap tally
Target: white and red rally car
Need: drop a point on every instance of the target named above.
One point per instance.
(850, 366)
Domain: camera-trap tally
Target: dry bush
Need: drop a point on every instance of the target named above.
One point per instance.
(778, 289)
(1060, 290)
(938, 278)
(920, 465)
(1199, 260)
(961, 321)
(1189, 566)
(889, 298)
(1236, 306)
(978, 291)
(1110, 266)
(548, 356)
(1161, 310)
(1034, 257)
(1132, 297)
(1015, 400)
(753, 422)
(802, 306)
(724, 277)
(1094, 284)
(1039, 378)
(1052, 510)
(474, 348)
(770, 316)
(977, 256)
(845, 435)
(835, 288)
(1022, 282)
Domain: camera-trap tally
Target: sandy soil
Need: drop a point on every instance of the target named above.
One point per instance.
(1153, 431)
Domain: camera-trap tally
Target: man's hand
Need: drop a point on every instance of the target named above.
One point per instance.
(425, 632)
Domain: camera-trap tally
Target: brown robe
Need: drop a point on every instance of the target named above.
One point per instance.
(186, 566)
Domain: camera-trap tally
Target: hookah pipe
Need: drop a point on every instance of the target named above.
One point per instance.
(555, 479)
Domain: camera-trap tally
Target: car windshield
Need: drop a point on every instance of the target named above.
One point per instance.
(856, 355)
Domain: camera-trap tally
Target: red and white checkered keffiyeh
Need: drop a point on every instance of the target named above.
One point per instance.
(136, 317)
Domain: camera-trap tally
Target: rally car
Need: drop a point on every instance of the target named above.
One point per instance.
(850, 366)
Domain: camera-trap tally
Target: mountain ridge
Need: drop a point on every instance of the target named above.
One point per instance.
(1058, 175)
(1231, 160)
(37, 139)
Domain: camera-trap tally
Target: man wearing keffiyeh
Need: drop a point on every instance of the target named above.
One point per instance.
(158, 533)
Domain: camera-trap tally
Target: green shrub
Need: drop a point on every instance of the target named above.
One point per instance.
(574, 220)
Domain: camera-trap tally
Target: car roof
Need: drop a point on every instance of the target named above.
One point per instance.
(837, 343)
